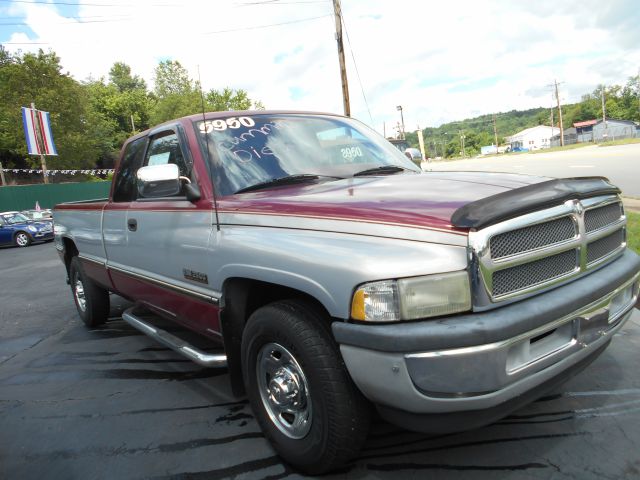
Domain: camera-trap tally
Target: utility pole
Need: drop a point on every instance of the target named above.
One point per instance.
(399, 108)
(343, 69)
(421, 142)
(37, 128)
(495, 131)
(133, 126)
(559, 114)
(4, 182)
(462, 137)
(605, 135)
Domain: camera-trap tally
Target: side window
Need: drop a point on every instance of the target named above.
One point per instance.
(165, 148)
(125, 183)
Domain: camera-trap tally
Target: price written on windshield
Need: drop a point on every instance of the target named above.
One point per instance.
(231, 122)
(351, 152)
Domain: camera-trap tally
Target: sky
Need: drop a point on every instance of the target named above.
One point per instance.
(441, 61)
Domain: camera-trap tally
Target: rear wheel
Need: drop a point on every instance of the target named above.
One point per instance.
(299, 389)
(92, 301)
(22, 239)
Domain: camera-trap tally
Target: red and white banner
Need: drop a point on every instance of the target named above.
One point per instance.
(37, 131)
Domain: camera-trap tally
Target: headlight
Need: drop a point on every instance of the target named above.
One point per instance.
(32, 229)
(412, 298)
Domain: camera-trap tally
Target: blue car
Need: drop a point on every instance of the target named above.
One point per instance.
(17, 229)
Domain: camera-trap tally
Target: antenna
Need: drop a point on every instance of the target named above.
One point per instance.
(206, 140)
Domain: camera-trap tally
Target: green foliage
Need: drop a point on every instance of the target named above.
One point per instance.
(38, 78)
(90, 120)
(177, 95)
(622, 102)
(633, 231)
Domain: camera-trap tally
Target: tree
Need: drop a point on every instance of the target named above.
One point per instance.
(177, 95)
(120, 76)
(37, 77)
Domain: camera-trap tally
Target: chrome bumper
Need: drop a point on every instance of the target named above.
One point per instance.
(483, 376)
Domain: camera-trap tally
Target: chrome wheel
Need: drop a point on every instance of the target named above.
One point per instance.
(22, 239)
(78, 291)
(284, 390)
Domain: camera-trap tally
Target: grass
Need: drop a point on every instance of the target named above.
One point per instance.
(622, 141)
(633, 231)
(573, 146)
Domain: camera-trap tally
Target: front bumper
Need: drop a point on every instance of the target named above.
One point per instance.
(479, 361)
(42, 236)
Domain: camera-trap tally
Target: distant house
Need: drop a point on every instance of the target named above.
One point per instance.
(533, 138)
(598, 131)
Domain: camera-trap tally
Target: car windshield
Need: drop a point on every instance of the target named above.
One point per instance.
(251, 150)
(12, 218)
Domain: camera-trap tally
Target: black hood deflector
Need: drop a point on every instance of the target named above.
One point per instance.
(505, 205)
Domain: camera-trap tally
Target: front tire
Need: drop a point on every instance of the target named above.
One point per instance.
(92, 301)
(299, 388)
(22, 239)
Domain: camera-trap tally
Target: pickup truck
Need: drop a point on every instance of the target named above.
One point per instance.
(333, 275)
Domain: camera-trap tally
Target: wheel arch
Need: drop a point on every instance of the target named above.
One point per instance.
(69, 251)
(240, 298)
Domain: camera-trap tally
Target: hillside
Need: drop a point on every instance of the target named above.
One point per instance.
(622, 102)
(478, 131)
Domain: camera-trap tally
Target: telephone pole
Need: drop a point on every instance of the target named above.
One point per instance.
(604, 115)
(495, 131)
(43, 161)
(343, 69)
(555, 84)
(462, 137)
(4, 182)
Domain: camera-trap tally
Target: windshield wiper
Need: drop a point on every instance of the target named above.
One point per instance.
(382, 170)
(288, 180)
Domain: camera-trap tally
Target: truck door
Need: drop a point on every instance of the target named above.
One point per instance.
(166, 244)
(114, 217)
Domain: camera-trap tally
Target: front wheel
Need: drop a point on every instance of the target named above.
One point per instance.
(299, 388)
(22, 239)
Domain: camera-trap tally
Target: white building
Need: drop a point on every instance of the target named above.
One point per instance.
(533, 138)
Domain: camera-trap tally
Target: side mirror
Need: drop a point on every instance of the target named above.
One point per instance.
(158, 180)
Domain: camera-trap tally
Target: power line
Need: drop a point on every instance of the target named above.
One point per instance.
(356, 68)
(256, 27)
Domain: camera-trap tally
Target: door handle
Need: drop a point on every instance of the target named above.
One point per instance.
(132, 224)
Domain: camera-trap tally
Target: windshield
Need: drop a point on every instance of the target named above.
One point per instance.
(12, 218)
(249, 150)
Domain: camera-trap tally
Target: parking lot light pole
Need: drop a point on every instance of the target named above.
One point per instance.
(399, 108)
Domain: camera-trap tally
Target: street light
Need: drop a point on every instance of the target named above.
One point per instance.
(399, 108)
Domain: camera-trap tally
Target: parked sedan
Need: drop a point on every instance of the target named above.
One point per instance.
(17, 229)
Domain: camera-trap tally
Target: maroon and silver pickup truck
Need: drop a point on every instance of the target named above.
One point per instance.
(333, 275)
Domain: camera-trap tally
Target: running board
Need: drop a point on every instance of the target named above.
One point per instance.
(174, 343)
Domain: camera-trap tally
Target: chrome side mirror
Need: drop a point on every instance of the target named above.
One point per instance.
(158, 181)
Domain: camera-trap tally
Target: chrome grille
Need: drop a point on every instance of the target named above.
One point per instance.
(597, 218)
(534, 273)
(604, 246)
(521, 256)
(533, 237)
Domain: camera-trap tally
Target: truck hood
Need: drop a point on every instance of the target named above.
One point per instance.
(424, 200)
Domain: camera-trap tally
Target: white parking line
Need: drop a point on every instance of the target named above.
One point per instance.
(581, 166)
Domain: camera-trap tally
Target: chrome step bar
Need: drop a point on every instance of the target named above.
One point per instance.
(176, 344)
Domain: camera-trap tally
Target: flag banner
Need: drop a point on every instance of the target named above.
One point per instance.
(37, 131)
(28, 121)
(47, 135)
(97, 171)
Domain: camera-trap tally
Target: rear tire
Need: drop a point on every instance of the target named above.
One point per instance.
(299, 388)
(22, 239)
(92, 301)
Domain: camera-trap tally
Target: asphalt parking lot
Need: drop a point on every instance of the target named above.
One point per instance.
(111, 403)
